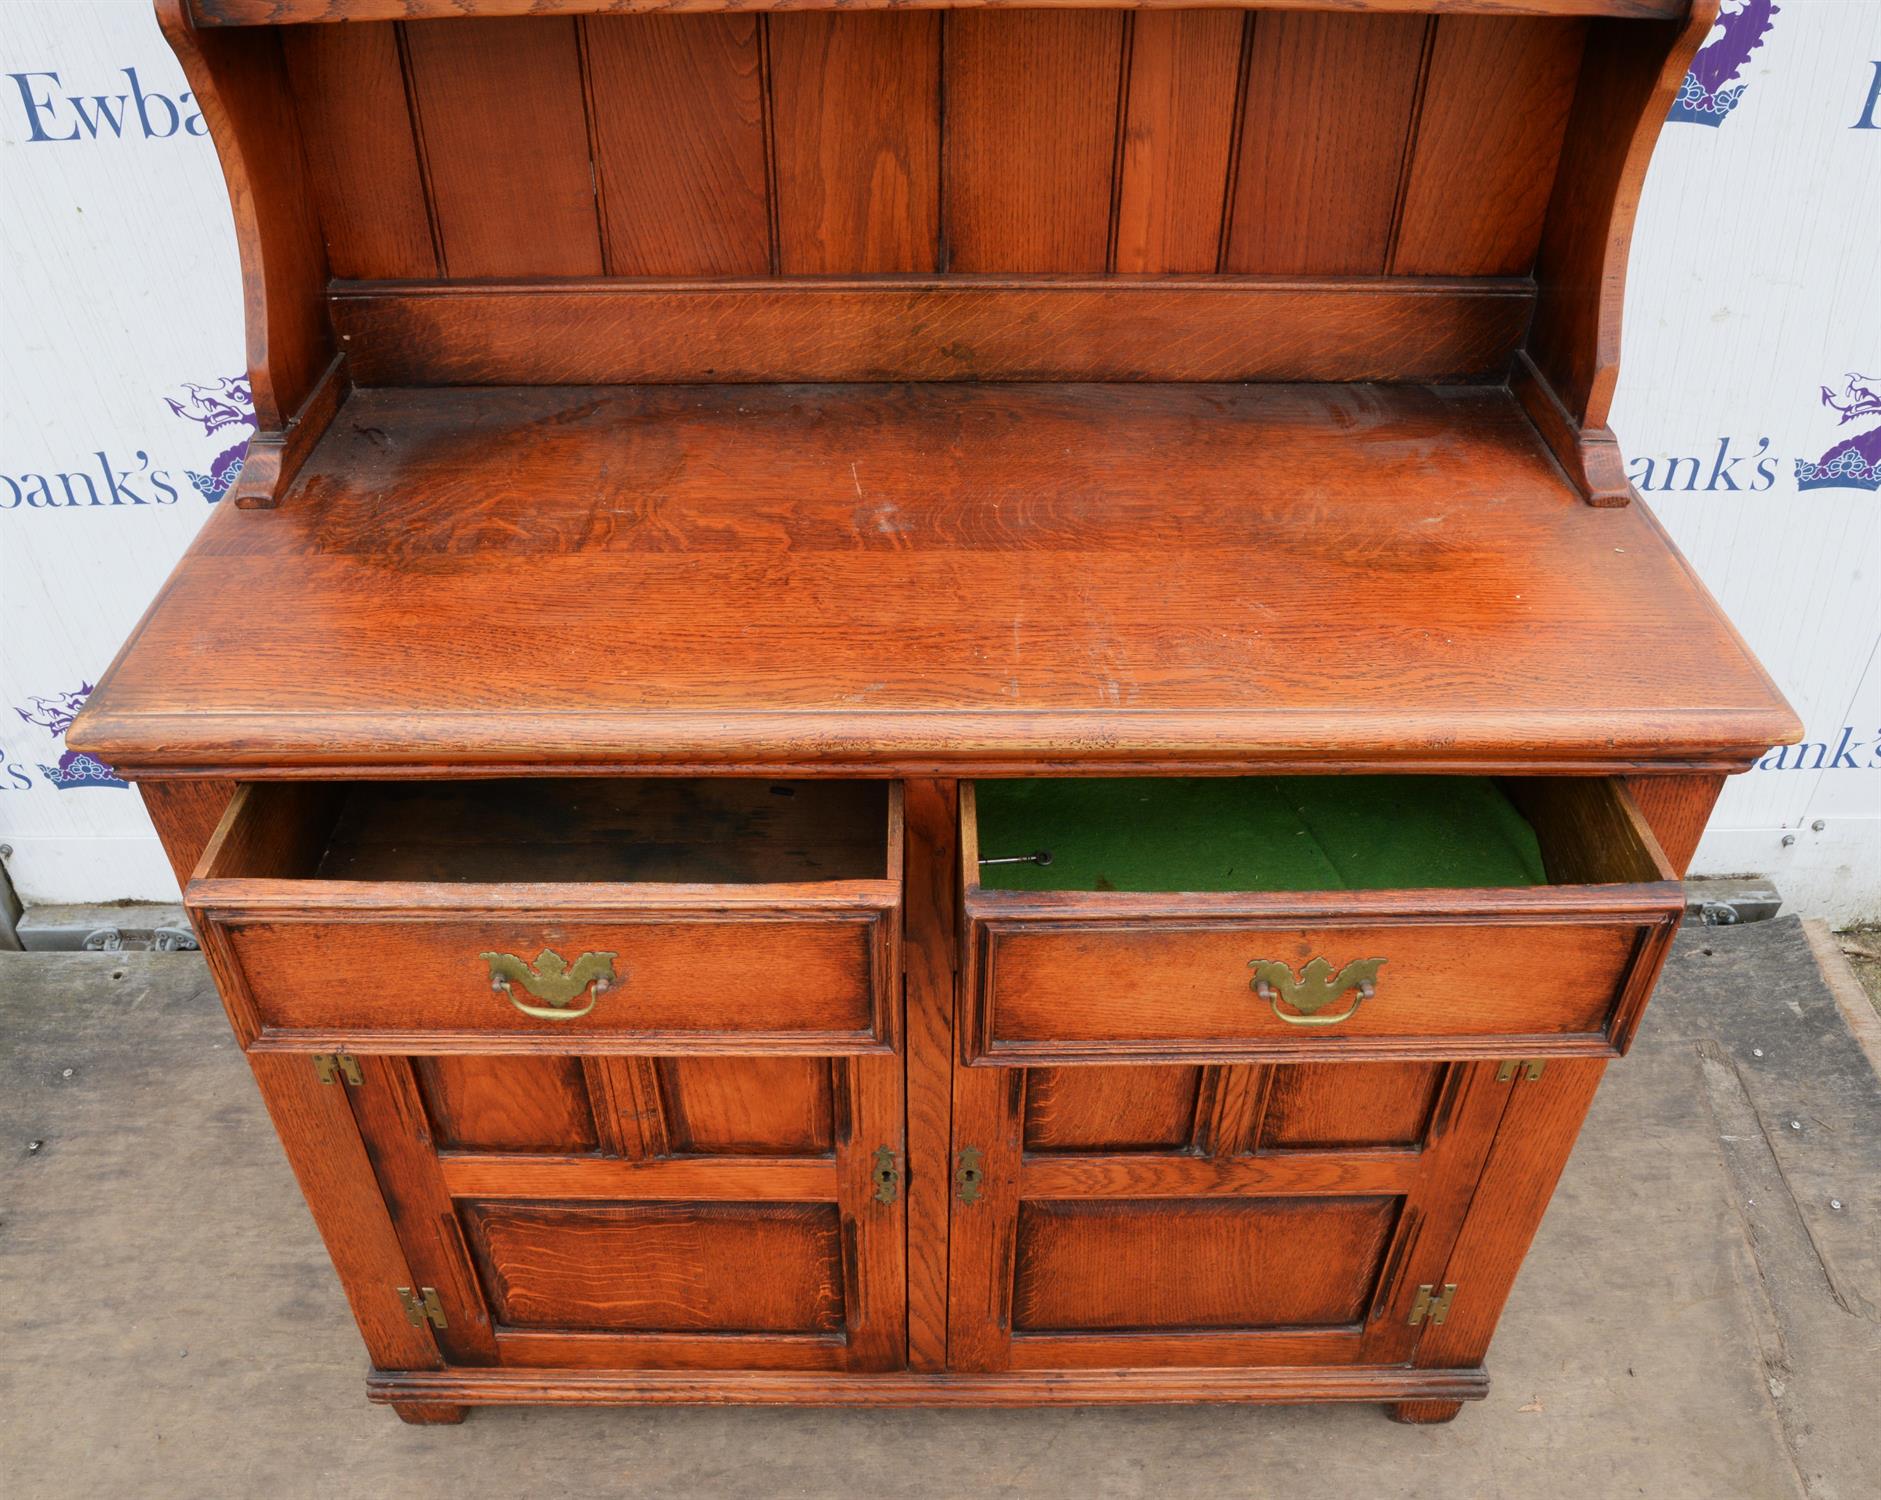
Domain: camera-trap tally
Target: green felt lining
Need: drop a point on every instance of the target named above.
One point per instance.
(1256, 833)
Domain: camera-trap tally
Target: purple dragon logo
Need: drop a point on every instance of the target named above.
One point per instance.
(55, 715)
(1711, 90)
(227, 403)
(1855, 462)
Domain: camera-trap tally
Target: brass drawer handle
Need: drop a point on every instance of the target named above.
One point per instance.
(1315, 989)
(551, 978)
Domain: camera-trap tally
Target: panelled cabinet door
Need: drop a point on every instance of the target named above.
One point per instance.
(1154, 1215)
(697, 1212)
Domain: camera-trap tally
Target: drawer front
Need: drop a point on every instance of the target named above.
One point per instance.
(780, 982)
(1209, 990)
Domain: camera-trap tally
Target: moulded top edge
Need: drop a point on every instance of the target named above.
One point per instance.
(288, 12)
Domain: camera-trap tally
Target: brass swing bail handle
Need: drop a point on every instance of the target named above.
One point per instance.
(552, 980)
(1315, 988)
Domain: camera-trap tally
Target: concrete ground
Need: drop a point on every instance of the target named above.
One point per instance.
(1699, 1318)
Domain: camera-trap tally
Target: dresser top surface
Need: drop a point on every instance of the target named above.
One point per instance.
(964, 577)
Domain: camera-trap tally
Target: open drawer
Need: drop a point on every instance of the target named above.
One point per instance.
(594, 915)
(1281, 918)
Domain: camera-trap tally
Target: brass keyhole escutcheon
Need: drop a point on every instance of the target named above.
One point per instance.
(969, 1175)
(886, 1175)
(1316, 987)
(553, 980)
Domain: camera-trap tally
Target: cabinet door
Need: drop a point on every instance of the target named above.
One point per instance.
(1158, 1215)
(687, 1212)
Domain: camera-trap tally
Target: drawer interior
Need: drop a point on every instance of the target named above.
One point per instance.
(563, 830)
(1308, 833)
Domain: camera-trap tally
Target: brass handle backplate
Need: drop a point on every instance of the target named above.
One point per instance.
(551, 979)
(1316, 988)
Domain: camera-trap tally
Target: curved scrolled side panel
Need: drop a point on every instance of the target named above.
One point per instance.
(242, 88)
(1566, 376)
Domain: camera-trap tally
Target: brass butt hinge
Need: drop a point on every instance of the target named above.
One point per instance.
(969, 1175)
(1529, 1067)
(422, 1307)
(331, 1067)
(1428, 1304)
(886, 1175)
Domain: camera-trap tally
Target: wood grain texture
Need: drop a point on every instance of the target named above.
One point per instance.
(505, 141)
(930, 941)
(661, 1268)
(1326, 122)
(747, 1106)
(1590, 456)
(321, 1139)
(1164, 513)
(391, 1116)
(1181, 989)
(185, 815)
(1120, 1109)
(1628, 79)
(1214, 1264)
(241, 86)
(1178, 133)
(1328, 1106)
(1032, 106)
(856, 124)
(956, 328)
(1677, 808)
(533, 1104)
(1495, 110)
(1518, 1178)
(677, 114)
(277, 12)
(1272, 1384)
(362, 155)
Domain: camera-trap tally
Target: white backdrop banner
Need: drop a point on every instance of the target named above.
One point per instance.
(1750, 404)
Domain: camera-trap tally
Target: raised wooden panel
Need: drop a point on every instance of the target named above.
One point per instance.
(747, 1106)
(505, 139)
(1495, 108)
(1331, 1105)
(856, 133)
(678, 121)
(1110, 1109)
(1327, 117)
(1170, 1264)
(1032, 99)
(744, 1268)
(1178, 133)
(537, 1104)
(362, 157)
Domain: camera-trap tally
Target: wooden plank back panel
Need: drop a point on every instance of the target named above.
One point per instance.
(856, 132)
(940, 328)
(505, 140)
(362, 154)
(1032, 104)
(678, 119)
(1496, 101)
(1179, 111)
(1328, 107)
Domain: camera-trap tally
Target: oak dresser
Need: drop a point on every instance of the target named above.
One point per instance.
(942, 705)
